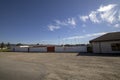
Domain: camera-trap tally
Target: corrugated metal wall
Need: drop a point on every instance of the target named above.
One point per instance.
(57, 49)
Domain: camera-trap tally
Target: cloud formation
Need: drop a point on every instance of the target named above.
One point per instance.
(106, 8)
(85, 36)
(71, 22)
(117, 25)
(84, 18)
(53, 27)
(109, 14)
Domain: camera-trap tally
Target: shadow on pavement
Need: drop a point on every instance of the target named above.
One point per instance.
(99, 54)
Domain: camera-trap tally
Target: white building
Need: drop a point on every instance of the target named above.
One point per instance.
(108, 43)
(50, 48)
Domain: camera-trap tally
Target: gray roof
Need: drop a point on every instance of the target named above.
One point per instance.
(114, 36)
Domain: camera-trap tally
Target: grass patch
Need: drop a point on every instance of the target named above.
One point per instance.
(4, 50)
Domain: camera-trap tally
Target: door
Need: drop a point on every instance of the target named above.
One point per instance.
(51, 49)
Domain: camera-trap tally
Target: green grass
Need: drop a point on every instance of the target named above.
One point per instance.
(4, 50)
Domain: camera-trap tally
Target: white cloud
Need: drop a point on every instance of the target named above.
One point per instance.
(109, 14)
(53, 27)
(62, 23)
(85, 36)
(84, 18)
(117, 25)
(119, 16)
(95, 34)
(106, 8)
(70, 22)
(93, 17)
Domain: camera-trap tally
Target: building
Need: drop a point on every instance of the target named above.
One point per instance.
(107, 43)
(50, 48)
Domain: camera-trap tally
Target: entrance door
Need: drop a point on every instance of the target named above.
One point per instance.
(51, 49)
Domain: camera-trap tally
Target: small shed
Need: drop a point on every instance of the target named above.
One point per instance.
(107, 43)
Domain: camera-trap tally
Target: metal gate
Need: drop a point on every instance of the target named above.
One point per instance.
(51, 49)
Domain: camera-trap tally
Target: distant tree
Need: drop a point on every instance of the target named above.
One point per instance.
(89, 48)
(37, 44)
(2, 45)
(8, 45)
(19, 44)
(67, 45)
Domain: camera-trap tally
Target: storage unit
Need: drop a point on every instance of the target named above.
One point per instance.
(108, 43)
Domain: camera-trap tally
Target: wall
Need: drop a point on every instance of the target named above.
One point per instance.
(105, 47)
(71, 49)
(31, 49)
(20, 49)
(38, 49)
(95, 46)
(57, 49)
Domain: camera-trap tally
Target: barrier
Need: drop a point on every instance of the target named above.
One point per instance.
(57, 49)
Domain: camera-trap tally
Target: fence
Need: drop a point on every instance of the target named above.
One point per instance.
(56, 49)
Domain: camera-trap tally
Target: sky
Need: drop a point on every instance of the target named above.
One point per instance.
(57, 21)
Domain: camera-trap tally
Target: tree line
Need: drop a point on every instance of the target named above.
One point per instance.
(3, 45)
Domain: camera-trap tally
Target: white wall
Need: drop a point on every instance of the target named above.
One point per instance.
(71, 49)
(57, 49)
(38, 49)
(21, 49)
(95, 46)
(105, 47)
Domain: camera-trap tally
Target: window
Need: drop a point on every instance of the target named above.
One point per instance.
(115, 46)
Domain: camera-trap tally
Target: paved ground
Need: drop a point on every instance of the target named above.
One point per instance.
(58, 66)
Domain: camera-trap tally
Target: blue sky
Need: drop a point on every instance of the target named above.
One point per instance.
(57, 21)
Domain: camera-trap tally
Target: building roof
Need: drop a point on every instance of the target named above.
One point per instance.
(114, 36)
